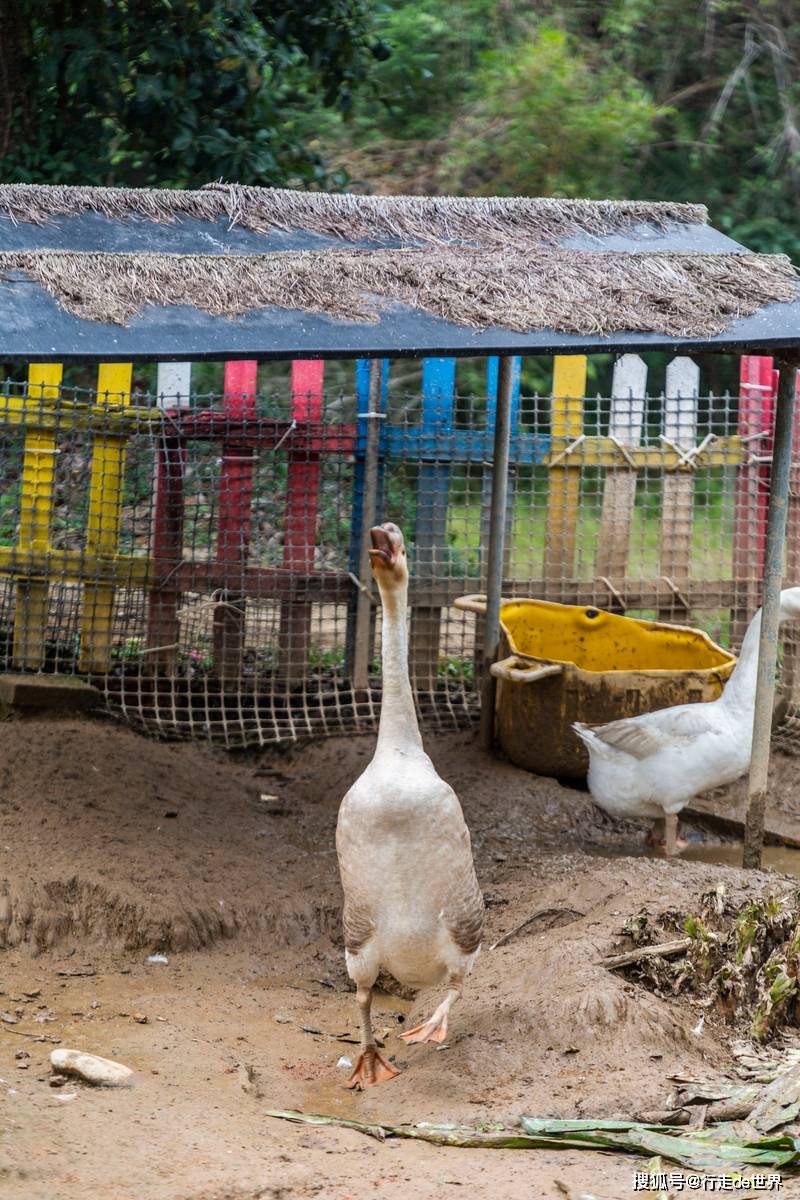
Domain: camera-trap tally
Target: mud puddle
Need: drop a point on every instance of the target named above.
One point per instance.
(783, 859)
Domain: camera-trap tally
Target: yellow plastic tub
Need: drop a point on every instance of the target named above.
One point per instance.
(562, 663)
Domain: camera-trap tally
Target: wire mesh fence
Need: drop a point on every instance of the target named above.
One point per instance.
(198, 554)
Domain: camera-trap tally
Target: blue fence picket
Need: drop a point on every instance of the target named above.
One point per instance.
(363, 369)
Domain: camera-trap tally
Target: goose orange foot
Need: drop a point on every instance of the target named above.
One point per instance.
(370, 1069)
(432, 1030)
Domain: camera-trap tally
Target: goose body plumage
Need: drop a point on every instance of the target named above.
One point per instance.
(412, 904)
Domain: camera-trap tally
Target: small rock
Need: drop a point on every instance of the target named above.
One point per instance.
(157, 958)
(140, 1018)
(57, 1080)
(23, 1066)
(102, 1072)
(270, 804)
(344, 1063)
(32, 993)
(21, 1055)
(311, 1029)
(8, 1018)
(283, 1019)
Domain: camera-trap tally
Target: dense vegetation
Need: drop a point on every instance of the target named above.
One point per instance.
(654, 98)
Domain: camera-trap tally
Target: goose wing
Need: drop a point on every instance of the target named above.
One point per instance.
(358, 925)
(643, 736)
(464, 911)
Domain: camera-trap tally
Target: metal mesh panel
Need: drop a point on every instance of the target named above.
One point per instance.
(197, 553)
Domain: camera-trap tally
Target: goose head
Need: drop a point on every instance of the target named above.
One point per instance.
(387, 556)
(790, 604)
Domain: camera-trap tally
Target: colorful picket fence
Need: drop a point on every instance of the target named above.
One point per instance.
(615, 452)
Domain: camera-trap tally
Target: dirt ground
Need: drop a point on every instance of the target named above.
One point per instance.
(113, 847)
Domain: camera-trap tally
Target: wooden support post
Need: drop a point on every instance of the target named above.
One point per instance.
(677, 496)
(106, 485)
(492, 377)
(433, 489)
(363, 409)
(300, 519)
(569, 388)
(628, 391)
(362, 638)
(36, 510)
(790, 665)
(233, 528)
(770, 616)
(757, 387)
(174, 385)
(497, 528)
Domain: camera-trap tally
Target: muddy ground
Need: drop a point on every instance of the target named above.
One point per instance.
(113, 847)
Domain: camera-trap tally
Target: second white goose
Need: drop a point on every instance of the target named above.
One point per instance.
(654, 764)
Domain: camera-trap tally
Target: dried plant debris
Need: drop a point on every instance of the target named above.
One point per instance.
(743, 963)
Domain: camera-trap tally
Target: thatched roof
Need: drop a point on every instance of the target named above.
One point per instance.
(573, 291)
(279, 272)
(495, 222)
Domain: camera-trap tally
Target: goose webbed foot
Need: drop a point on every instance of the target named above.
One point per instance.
(435, 1028)
(432, 1030)
(370, 1069)
(665, 835)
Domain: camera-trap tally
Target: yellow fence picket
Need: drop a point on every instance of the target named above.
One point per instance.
(569, 388)
(36, 511)
(103, 521)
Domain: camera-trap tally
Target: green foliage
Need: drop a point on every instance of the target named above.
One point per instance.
(550, 122)
(433, 47)
(176, 92)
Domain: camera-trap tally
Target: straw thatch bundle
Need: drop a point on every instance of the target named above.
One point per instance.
(680, 295)
(493, 222)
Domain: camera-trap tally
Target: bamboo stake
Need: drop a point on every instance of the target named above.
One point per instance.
(362, 638)
(497, 533)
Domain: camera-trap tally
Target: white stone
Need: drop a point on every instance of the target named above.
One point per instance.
(102, 1072)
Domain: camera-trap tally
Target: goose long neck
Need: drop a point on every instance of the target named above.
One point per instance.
(740, 690)
(398, 724)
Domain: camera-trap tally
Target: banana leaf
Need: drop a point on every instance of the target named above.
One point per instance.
(719, 1148)
(722, 1148)
(780, 1102)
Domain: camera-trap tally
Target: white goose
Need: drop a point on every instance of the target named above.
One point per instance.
(654, 764)
(412, 904)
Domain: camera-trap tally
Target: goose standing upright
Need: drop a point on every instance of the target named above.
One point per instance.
(412, 904)
(654, 764)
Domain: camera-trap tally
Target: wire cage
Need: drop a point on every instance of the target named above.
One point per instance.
(193, 546)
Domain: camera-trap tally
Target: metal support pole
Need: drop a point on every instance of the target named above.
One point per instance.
(770, 611)
(497, 533)
(362, 649)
